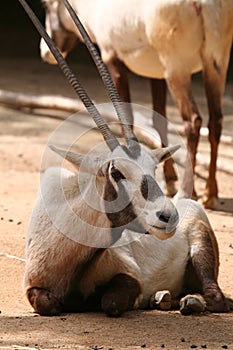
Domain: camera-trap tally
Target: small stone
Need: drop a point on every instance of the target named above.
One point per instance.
(11, 220)
(204, 346)
(143, 346)
(162, 345)
(193, 346)
(182, 339)
(225, 346)
(19, 222)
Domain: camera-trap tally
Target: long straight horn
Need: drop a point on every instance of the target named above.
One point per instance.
(113, 94)
(109, 137)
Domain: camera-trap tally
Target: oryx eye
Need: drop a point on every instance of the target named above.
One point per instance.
(116, 174)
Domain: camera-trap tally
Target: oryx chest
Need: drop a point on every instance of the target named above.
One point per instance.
(159, 264)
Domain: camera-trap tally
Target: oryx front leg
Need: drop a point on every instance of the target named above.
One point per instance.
(180, 87)
(214, 79)
(203, 268)
(44, 302)
(122, 294)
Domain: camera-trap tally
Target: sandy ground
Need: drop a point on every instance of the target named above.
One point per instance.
(23, 138)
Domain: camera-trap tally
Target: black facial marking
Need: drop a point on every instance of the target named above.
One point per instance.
(116, 174)
(118, 217)
(133, 151)
(125, 217)
(150, 189)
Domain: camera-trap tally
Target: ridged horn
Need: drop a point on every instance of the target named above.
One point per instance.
(106, 77)
(109, 137)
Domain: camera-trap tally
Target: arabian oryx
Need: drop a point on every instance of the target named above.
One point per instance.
(163, 39)
(107, 237)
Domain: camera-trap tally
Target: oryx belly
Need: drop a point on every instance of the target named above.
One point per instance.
(150, 38)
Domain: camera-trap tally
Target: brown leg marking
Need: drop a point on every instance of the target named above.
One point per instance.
(159, 93)
(192, 131)
(119, 74)
(44, 302)
(215, 130)
(203, 270)
(214, 76)
(121, 294)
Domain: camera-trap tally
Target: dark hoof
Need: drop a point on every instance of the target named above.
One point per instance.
(44, 302)
(191, 304)
(161, 300)
(210, 202)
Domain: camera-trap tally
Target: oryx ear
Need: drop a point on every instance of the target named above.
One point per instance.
(81, 161)
(162, 154)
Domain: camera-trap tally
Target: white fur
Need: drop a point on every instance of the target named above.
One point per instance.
(168, 39)
(155, 38)
(54, 252)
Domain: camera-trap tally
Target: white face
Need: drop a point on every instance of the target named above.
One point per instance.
(122, 186)
(133, 197)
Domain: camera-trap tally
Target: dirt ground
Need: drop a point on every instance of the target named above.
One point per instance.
(23, 137)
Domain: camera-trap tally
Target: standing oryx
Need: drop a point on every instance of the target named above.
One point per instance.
(79, 258)
(167, 39)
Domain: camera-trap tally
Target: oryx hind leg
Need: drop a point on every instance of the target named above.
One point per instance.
(50, 279)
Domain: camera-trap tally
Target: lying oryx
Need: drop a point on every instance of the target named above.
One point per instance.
(79, 258)
(168, 39)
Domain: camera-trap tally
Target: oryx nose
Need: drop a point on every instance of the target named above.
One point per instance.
(162, 216)
(168, 216)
